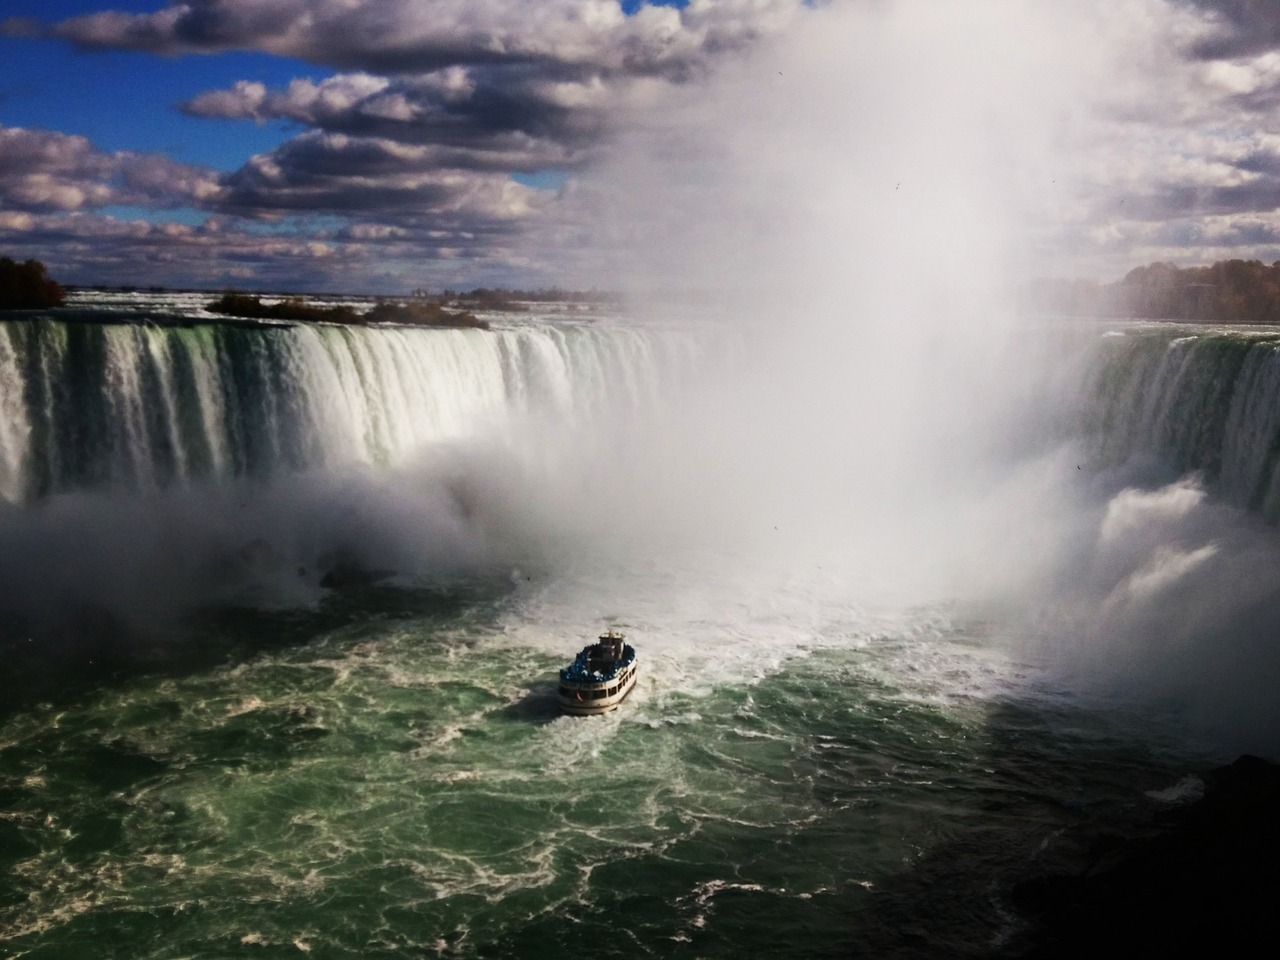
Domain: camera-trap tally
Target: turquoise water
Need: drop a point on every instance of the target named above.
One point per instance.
(207, 752)
(386, 776)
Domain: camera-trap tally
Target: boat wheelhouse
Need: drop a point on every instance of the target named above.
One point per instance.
(600, 677)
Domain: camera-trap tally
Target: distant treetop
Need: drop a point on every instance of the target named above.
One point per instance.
(491, 298)
(1229, 291)
(26, 286)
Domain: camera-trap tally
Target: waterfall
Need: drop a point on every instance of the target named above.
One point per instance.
(1194, 403)
(90, 405)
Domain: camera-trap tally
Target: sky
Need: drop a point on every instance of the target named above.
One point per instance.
(390, 145)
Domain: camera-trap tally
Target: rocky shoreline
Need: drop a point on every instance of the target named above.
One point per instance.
(1202, 880)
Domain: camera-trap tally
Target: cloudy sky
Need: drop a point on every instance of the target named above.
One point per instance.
(384, 145)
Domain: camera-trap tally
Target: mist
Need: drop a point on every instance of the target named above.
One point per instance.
(136, 562)
(860, 197)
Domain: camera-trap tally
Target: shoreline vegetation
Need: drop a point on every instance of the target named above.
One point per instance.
(1229, 291)
(27, 286)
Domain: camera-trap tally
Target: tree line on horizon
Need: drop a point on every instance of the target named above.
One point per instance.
(497, 297)
(27, 286)
(1229, 291)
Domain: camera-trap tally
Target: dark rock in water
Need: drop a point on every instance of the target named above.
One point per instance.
(1203, 881)
(292, 308)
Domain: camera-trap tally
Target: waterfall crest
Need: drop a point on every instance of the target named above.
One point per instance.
(1208, 404)
(139, 406)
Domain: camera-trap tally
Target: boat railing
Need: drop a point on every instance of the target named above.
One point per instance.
(580, 670)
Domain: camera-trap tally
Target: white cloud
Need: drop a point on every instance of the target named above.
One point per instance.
(1160, 112)
(46, 170)
(243, 101)
(405, 35)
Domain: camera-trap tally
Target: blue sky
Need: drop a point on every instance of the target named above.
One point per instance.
(394, 144)
(116, 135)
(128, 101)
(125, 100)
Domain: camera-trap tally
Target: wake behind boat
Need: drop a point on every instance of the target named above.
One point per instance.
(600, 677)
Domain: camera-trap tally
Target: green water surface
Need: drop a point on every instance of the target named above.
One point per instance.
(395, 781)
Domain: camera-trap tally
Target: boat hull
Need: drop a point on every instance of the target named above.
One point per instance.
(590, 699)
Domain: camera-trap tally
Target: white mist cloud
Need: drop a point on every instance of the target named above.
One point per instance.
(140, 560)
(1163, 596)
(857, 194)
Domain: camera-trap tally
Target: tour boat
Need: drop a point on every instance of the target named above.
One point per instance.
(600, 678)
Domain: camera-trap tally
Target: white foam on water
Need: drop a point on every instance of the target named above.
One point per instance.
(1187, 790)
